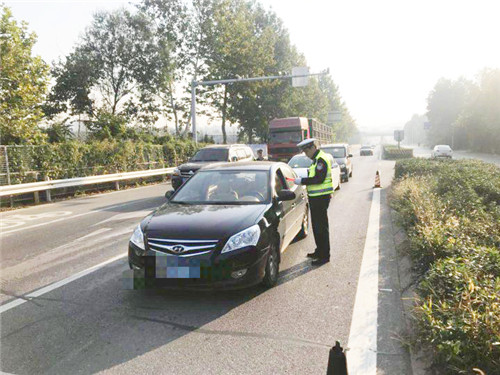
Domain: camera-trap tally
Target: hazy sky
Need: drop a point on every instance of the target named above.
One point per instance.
(385, 55)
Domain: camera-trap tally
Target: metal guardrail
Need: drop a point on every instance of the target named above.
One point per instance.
(34, 187)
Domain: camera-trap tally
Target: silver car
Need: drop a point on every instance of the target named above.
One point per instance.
(442, 151)
(300, 164)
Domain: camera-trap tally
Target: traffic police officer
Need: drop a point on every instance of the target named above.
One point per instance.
(319, 189)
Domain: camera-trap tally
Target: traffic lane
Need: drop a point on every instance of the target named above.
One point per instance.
(92, 325)
(37, 216)
(86, 215)
(305, 314)
(426, 153)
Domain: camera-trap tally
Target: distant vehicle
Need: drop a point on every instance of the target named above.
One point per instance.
(210, 154)
(225, 227)
(365, 150)
(442, 151)
(285, 133)
(301, 163)
(342, 155)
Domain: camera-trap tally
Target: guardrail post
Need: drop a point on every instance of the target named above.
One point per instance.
(117, 185)
(47, 192)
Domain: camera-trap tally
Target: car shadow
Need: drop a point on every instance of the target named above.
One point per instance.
(93, 324)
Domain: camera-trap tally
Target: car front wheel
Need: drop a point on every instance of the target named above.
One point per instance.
(272, 267)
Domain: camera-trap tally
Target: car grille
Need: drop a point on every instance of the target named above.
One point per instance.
(182, 247)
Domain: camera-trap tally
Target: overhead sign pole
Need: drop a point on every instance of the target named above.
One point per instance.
(194, 84)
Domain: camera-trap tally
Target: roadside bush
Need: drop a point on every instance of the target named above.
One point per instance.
(78, 159)
(393, 152)
(450, 210)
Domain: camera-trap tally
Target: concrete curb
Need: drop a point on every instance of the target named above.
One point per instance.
(420, 361)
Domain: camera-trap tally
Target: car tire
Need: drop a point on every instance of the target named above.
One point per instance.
(304, 229)
(346, 178)
(350, 174)
(272, 266)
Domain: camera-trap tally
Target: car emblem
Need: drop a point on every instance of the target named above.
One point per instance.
(178, 249)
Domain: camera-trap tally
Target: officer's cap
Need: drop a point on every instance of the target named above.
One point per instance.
(306, 143)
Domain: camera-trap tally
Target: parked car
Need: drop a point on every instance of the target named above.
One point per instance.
(341, 152)
(365, 150)
(442, 151)
(210, 154)
(300, 164)
(225, 227)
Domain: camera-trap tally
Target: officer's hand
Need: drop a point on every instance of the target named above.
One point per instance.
(297, 181)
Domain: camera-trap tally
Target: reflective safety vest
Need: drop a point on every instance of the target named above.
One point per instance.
(326, 187)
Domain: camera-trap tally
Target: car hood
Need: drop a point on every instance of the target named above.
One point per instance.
(204, 222)
(341, 161)
(194, 166)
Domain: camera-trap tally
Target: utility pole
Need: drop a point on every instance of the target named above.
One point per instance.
(194, 84)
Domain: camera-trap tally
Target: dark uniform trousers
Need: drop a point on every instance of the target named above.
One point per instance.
(319, 220)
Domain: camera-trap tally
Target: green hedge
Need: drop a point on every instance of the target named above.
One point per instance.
(78, 159)
(451, 212)
(393, 153)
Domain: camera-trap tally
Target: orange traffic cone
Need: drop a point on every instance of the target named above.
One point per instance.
(377, 180)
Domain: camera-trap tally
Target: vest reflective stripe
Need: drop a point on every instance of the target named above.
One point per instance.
(326, 187)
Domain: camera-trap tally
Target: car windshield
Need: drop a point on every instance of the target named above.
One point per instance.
(286, 137)
(225, 187)
(336, 152)
(300, 161)
(211, 154)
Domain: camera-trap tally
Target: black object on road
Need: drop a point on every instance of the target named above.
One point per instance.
(337, 362)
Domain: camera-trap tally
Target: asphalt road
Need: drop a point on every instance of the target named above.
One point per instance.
(93, 324)
(423, 152)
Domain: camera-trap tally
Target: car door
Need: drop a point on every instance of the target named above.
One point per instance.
(283, 210)
(299, 205)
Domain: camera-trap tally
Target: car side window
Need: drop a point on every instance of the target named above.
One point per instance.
(289, 174)
(279, 181)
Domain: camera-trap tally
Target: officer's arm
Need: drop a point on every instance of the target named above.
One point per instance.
(320, 175)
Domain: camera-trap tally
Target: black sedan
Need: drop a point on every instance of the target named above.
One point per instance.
(225, 227)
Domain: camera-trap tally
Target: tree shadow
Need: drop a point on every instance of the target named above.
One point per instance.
(92, 324)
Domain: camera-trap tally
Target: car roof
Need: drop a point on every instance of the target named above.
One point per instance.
(335, 145)
(244, 166)
(226, 146)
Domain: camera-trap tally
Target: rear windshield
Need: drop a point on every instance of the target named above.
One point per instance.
(300, 161)
(336, 152)
(211, 154)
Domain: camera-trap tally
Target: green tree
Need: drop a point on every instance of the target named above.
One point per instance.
(113, 74)
(445, 105)
(23, 83)
(480, 119)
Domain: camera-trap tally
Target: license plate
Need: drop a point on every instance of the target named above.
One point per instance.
(174, 267)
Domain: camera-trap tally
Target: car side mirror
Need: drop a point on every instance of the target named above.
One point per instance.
(169, 194)
(286, 195)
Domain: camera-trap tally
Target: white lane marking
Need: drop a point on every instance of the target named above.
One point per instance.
(68, 217)
(92, 234)
(363, 334)
(58, 284)
(17, 220)
(125, 216)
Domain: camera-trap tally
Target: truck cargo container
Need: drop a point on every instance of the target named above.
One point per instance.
(285, 133)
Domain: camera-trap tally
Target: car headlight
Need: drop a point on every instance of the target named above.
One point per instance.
(247, 237)
(177, 172)
(138, 238)
(342, 165)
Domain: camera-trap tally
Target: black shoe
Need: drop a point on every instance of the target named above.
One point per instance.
(314, 255)
(319, 261)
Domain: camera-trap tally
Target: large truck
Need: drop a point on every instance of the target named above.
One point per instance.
(285, 133)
